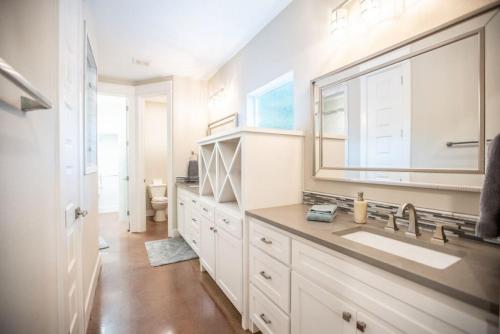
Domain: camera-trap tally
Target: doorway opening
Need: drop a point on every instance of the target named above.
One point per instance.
(112, 148)
(154, 131)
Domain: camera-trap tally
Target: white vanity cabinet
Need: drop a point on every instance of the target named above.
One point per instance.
(221, 251)
(181, 212)
(229, 266)
(207, 247)
(330, 292)
(316, 310)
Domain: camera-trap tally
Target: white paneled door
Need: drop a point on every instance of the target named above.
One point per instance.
(71, 64)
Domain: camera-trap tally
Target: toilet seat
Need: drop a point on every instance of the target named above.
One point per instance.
(160, 199)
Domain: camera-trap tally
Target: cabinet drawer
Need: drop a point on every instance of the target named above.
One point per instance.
(271, 277)
(270, 241)
(195, 218)
(194, 236)
(229, 223)
(206, 210)
(267, 316)
(193, 201)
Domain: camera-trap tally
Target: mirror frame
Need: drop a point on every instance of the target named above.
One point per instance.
(316, 91)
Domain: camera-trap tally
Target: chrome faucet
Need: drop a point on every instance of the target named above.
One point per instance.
(413, 230)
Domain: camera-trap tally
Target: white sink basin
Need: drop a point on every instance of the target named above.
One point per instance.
(405, 250)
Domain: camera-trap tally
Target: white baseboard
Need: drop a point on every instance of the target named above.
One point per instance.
(89, 300)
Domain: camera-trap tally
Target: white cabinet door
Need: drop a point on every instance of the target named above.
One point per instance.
(314, 310)
(181, 209)
(369, 324)
(229, 266)
(207, 245)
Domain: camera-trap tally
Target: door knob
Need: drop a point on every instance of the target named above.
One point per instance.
(80, 213)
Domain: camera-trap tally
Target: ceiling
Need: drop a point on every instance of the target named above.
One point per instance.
(191, 38)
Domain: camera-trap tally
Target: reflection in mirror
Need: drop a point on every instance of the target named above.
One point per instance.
(422, 113)
(403, 115)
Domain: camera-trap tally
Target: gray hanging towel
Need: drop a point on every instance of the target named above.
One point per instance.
(193, 169)
(489, 217)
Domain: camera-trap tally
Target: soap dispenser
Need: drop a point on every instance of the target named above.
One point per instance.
(360, 209)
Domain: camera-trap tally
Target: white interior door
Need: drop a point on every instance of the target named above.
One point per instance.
(70, 167)
(387, 119)
(113, 155)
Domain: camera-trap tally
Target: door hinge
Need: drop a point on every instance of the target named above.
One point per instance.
(128, 213)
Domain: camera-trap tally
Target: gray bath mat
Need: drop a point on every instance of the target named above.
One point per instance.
(102, 243)
(166, 251)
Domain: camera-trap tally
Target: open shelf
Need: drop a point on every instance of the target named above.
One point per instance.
(220, 170)
(207, 169)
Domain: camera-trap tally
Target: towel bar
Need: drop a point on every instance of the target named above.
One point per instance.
(27, 104)
(456, 143)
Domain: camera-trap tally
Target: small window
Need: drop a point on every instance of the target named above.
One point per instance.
(271, 106)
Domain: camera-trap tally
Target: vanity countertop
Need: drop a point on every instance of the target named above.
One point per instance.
(475, 279)
(191, 187)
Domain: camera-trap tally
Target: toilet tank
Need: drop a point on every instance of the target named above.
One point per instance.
(157, 190)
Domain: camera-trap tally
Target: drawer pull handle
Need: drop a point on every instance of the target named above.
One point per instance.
(346, 316)
(264, 318)
(211, 228)
(205, 209)
(266, 276)
(194, 242)
(193, 201)
(361, 326)
(225, 221)
(264, 240)
(181, 203)
(215, 230)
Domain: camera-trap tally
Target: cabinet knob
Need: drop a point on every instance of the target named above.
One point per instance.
(225, 220)
(264, 318)
(205, 209)
(181, 203)
(361, 326)
(265, 275)
(193, 201)
(193, 219)
(211, 228)
(264, 240)
(215, 230)
(194, 242)
(346, 316)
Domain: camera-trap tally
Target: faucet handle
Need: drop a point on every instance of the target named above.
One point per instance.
(391, 226)
(439, 236)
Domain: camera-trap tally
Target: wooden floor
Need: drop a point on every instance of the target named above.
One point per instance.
(133, 297)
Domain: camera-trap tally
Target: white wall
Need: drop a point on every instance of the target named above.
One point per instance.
(155, 145)
(298, 40)
(190, 121)
(29, 171)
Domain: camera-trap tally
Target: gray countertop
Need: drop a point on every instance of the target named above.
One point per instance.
(475, 279)
(191, 187)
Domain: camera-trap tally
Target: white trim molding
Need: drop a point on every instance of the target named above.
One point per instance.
(89, 300)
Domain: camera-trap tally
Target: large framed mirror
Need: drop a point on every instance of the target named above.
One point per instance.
(421, 113)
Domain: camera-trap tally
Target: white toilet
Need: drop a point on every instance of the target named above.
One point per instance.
(159, 202)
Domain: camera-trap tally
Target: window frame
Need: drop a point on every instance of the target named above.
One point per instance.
(253, 97)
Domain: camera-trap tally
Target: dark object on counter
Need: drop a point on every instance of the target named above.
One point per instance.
(489, 217)
(193, 169)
